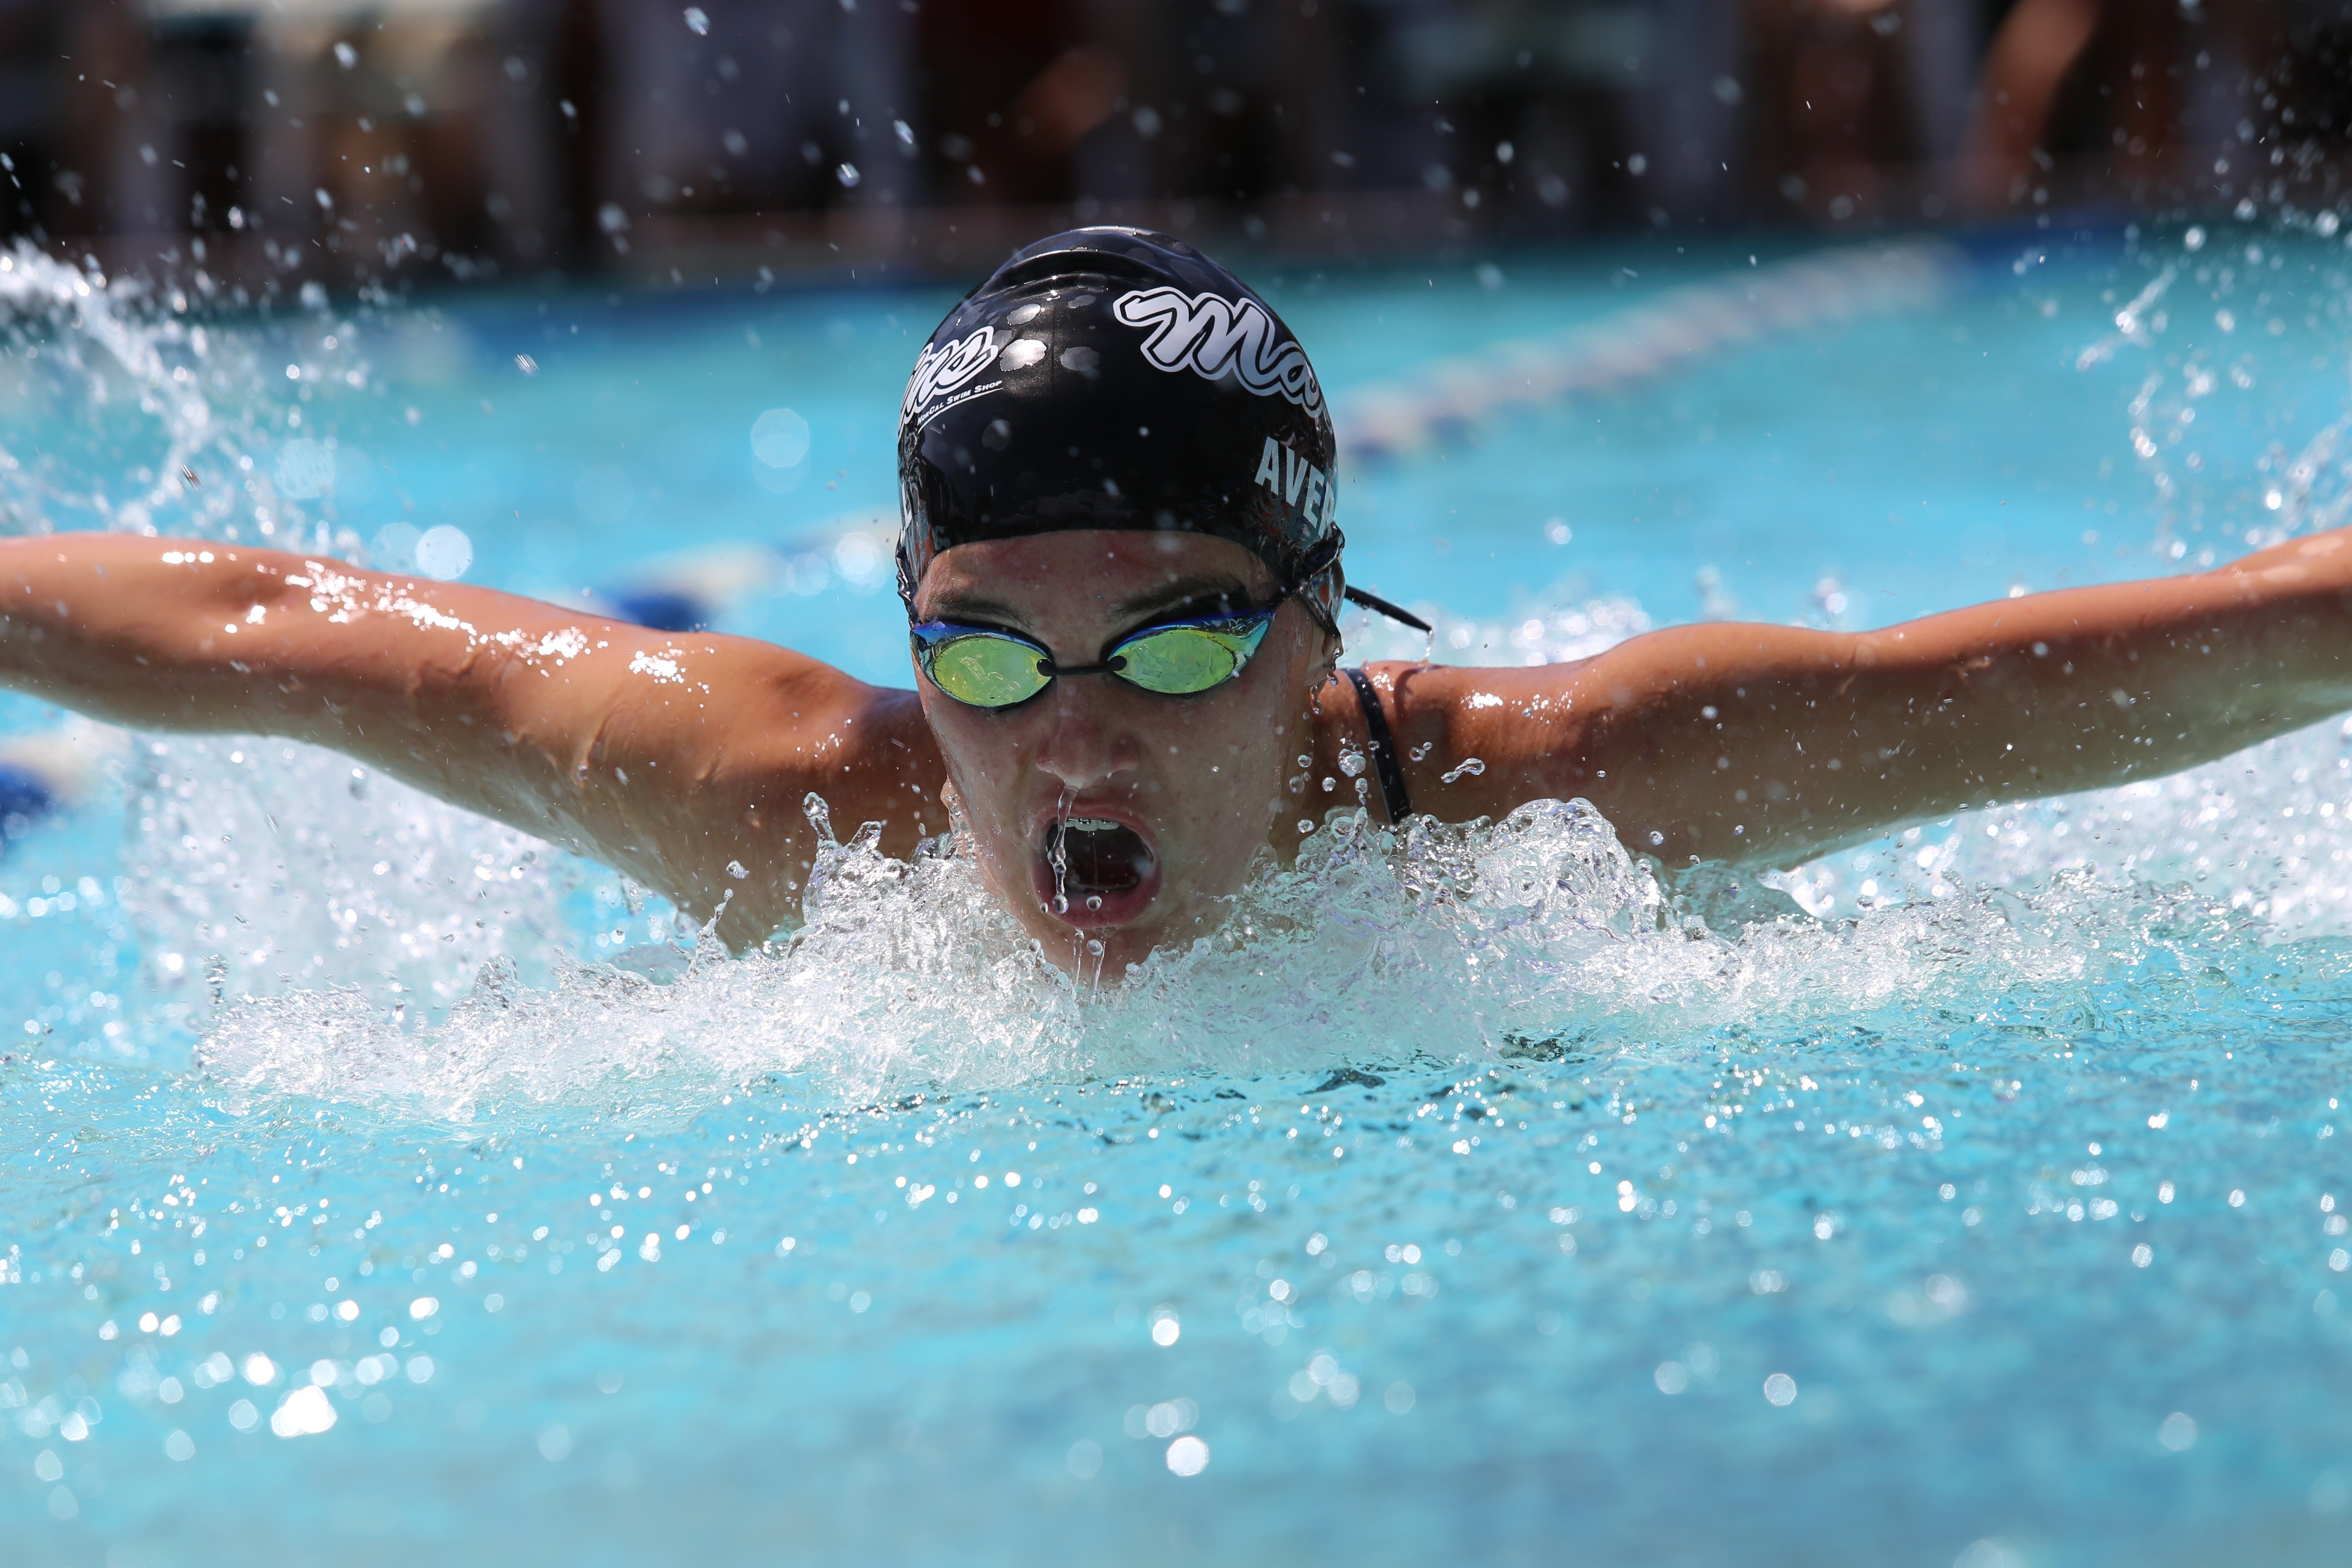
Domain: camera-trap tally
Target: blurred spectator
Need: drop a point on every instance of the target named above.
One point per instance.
(383, 137)
(2137, 100)
(1858, 103)
(1014, 88)
(748, 106)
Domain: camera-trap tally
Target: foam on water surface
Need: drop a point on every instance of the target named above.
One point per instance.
(1971, 1196)
(1447, 944)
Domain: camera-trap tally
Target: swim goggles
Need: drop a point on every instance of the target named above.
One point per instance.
(987, 667)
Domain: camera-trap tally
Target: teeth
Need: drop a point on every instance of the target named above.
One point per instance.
(1091, 824)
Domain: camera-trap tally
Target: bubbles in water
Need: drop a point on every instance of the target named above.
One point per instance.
(1437, 940)
(1057, 854)
(306, 1412)
(306, 470)
(444, 553)
(1188, 1455)
(1559, 632)
(394, 549)
(697, 21)
(1470, 765)
(779, 438)
(120, 382)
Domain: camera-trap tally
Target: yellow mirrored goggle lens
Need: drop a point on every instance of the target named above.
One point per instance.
(986, 671)
(1181, 660)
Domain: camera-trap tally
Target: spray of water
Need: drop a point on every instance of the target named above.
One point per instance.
(1058, 854)
(322, 932)
(153, 420)
(1539, 936)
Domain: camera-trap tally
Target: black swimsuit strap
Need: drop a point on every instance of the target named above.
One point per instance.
(1385, 765)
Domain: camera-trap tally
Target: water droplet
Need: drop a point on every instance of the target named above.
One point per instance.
(1094, 901)
(697, 22)
(1469, 765)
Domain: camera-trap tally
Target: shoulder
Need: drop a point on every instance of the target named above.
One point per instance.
(1447, 703)
(769, 719)
(1470, 740)
(735, 736)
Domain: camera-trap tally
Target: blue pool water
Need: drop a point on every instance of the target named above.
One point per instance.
(378, 1185)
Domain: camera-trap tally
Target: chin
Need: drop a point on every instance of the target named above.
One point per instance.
(1129, 930)
(1126, 934)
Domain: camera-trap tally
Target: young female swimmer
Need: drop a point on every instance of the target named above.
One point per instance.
(1120, 568)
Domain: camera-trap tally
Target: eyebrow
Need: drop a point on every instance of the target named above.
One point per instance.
(1185, 592)
(953, 606)
(1182, 593)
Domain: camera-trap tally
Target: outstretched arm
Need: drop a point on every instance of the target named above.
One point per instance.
(681, 759)
(1773, 743)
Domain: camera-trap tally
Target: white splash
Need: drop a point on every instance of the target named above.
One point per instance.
(1452, 944)
(121, 432)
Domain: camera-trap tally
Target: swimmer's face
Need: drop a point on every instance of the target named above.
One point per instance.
(1170, 799)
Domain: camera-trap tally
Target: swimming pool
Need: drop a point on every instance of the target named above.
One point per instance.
(379, 1184)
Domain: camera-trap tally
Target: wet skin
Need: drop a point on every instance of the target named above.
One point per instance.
(684, 761)
(1199, 779)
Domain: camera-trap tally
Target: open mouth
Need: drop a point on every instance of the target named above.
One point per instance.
(1095, 871)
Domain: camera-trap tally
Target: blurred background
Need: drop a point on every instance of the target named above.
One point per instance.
(452, 139)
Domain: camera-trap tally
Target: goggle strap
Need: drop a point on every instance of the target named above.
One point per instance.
(1373, 602)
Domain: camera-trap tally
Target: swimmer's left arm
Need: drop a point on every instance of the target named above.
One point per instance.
(1755, 742)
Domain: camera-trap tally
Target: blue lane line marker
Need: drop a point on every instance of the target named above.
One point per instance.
(1441, 399)
(25, 799)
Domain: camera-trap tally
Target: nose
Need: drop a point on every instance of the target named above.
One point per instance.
(1088, 743)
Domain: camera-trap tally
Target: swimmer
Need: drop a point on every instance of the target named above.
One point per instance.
(1120, 567)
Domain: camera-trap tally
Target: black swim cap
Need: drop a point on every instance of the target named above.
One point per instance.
(1113, 378)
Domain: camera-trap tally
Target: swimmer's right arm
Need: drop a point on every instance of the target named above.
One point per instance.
(681, 759)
